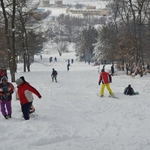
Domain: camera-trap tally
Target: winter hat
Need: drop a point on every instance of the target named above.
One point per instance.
(19, 81)
(129, 85)
(23, 79)
(4, 78)
(102, 70)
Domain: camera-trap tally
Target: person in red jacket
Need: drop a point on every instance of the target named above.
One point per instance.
(106, 79)
(25, 95)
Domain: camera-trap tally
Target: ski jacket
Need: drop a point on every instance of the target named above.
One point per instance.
(54, 73)
(105, 78)
(2, 72)
(129, 91)
(6, 91)
(25, 91)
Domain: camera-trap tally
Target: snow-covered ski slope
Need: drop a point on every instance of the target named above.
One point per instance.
(72, 116)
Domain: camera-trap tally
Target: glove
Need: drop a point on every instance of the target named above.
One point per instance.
(99, 83)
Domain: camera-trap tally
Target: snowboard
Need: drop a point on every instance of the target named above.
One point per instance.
(113, 97)
(136, 93)
(110, 97)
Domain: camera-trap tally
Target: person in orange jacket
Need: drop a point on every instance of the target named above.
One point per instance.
(106, 79)
(25, 91)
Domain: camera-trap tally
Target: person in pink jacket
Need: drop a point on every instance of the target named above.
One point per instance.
(25, 95)
(106, 79)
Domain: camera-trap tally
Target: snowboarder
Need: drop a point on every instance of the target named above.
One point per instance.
(6, 91)
(25, 91)
(54, 75)
(106, 79)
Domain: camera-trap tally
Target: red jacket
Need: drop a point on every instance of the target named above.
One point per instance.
(105, 77)
(25, 91)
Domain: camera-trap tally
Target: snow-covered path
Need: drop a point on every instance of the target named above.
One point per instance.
(72, 116)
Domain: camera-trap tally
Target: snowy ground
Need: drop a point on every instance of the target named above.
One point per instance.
(72, 116)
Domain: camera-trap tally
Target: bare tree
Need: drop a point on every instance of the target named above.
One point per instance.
(24, 15)
(9, 12)
(132, 15)
(60, 46)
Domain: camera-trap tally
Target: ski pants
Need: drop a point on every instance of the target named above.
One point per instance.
(54, 78)
(26, 110)
(6, 105)
(108, 88)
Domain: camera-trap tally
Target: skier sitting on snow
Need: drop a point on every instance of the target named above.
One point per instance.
(129, 90)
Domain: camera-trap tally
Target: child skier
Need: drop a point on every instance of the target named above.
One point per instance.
(6, 91)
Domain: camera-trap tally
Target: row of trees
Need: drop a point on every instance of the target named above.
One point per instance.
(66, 29)
(125, 38)
(18, 33)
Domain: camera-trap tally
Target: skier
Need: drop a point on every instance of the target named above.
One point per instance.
(25, 91)
(106, 79)
(55, 59)
(68, 65)
(129, 91)
(72, 61)
(6, 91)
(54, 75)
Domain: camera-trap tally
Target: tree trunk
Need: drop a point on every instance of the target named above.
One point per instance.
(13, 70)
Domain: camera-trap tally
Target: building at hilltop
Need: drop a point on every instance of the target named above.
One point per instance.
(56, 3)
(100, 12)
(45, 3)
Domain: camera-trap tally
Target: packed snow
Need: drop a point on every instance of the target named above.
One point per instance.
(72, 115)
